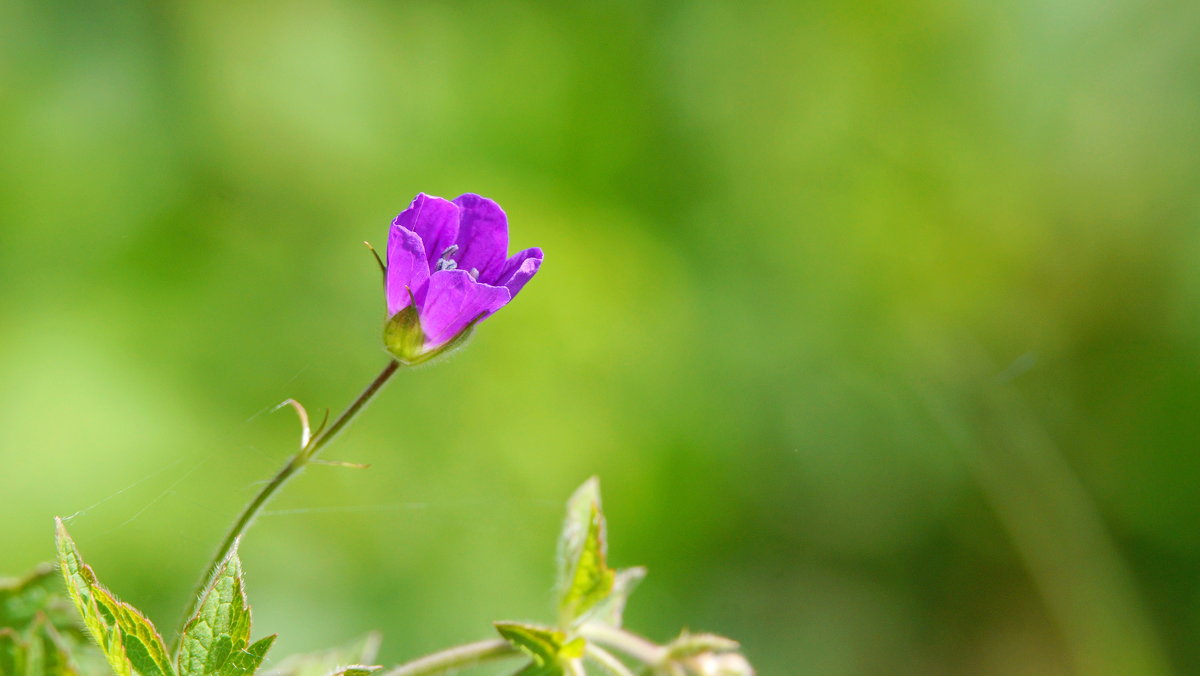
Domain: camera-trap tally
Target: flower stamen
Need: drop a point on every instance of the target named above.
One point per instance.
(444, 262)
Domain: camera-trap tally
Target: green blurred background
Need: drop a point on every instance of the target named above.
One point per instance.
(878, 320)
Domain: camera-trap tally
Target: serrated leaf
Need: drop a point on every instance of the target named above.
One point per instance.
(584, 576)
(79, 586)
(548, 648)
(140, 656)
(143, 645)
(128, 639)
(611, 610)
(13, 653)
(218, 653)
(359, 652)
(222, 613)
(246, 662)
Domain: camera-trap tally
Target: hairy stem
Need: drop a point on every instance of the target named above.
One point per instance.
(293, 466)
(607, 660)
(629, 643)
(458, 657)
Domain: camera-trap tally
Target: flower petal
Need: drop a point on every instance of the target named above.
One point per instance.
(453, 301)
(520, 269)
(435, 221)
(406, 268)
(482, 236)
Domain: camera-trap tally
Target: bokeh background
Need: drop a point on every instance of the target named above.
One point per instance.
(878, 320)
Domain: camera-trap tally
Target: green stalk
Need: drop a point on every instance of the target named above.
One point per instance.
(293, 466)
(456, 658)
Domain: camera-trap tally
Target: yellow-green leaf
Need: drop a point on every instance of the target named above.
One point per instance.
(549, 649)
(128, 639)
(611, 610)
(13, 653)
(246, 662)
(55, 657)
(584, 578)
(221, 626)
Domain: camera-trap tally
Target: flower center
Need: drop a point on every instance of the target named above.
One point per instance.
(445, 262)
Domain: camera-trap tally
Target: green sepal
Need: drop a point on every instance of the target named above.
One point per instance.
(405, 339)
(584, 578)
(549, 649)
(402, 334)
(220, 630)
(128, 639)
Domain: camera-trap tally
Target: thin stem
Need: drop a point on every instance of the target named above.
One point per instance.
(458, 657)
(607, 660)
(290, 469)
(629, 643)
(575, 668)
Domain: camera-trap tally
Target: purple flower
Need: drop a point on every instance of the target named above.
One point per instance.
(447, 269)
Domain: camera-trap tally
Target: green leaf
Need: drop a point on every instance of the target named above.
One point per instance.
(548, 648)
(13, 653)
(140, 656)
(246, 662)
(129, 640)
(221, 626)
(37, 607)
(218, 653)
(22, 600)
(584, 578)
(78, 584)
(55, 657)
(359, 652)
(143, 646)
(575, 529)
(611, 610)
